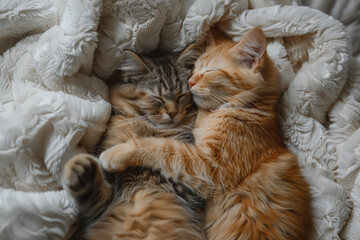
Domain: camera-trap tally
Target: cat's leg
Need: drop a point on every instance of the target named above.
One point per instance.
(182, 162)
(272, 203)
(121, 128)
(84, 180)
(149, 213)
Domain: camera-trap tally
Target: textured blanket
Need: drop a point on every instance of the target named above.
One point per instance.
(56, 55)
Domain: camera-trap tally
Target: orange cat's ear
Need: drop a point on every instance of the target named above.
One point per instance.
(130, 63)
(251, 49)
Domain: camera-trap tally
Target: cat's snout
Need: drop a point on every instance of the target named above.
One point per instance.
(172, 114)
(191, 83)
(194, 80)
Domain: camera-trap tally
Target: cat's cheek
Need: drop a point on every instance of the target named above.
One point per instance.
(199, 101)
(178, 118)
(117, 158)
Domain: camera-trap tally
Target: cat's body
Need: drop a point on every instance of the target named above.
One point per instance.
(252, 185)
(151, 100)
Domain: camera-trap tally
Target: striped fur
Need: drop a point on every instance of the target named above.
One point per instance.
(150, 98)
(252, 185)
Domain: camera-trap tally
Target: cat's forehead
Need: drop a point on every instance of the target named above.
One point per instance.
(164, 89)
(166, 77)
(206, 63)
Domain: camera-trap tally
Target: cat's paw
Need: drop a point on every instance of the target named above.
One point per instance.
(117, 158)
(79, 172)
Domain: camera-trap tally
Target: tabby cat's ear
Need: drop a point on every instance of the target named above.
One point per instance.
(251, 49)
(189, 56)
(130, 63)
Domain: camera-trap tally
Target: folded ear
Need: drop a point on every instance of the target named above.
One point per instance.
(130, 63)
(189, 56)
(251, 49)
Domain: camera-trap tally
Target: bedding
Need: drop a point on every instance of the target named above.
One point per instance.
(55, 57)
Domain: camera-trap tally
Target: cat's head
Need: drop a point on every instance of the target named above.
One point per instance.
(237, 73)
(156, 87)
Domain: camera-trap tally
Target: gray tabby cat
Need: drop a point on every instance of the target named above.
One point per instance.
(152, 98)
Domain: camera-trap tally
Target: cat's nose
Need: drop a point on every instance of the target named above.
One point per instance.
(172, 114)
(191, 83)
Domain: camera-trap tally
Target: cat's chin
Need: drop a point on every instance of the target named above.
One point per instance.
(203, 103)
(165, 125)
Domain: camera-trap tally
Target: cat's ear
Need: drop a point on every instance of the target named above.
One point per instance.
(189, 56)
(251, 49)
(130, 63)
(216, 37)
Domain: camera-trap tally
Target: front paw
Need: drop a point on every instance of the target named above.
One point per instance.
(117, 158)
(79, 172)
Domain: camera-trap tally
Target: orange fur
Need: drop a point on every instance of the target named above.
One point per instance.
(252, 185)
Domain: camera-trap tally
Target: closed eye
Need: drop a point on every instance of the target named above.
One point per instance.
(159, 99)
(180, 97)
(211, 70)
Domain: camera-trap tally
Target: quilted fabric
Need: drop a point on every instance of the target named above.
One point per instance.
(56, 55)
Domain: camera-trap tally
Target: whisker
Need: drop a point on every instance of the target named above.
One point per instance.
(130, 121)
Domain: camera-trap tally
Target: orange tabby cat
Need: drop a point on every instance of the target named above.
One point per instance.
(252, 185)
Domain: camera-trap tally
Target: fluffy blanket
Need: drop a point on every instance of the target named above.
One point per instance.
(56, 55)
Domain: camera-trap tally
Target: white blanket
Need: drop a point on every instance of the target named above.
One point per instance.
(54, 105)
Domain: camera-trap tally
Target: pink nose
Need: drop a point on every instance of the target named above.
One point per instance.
(172, 114)
(191, 84)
